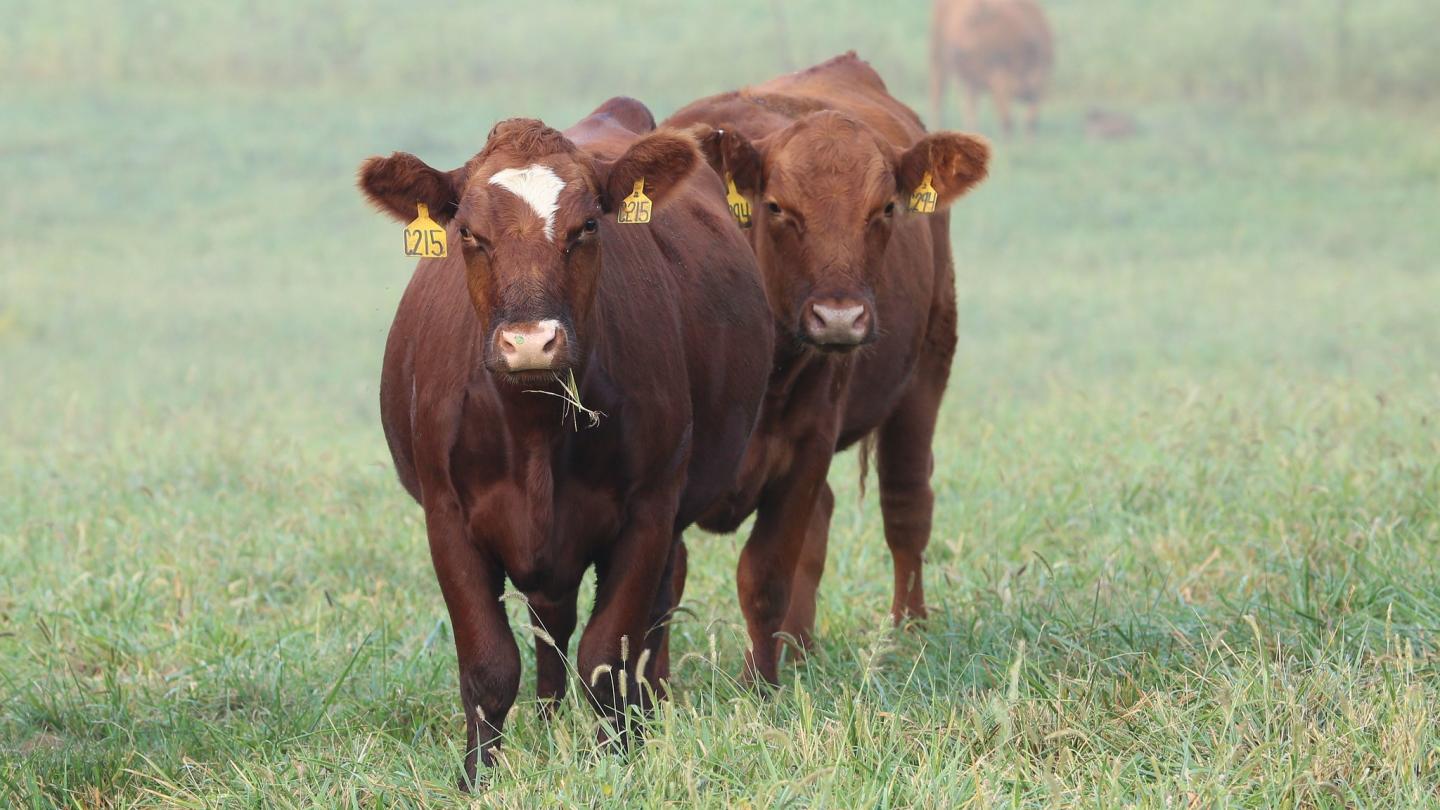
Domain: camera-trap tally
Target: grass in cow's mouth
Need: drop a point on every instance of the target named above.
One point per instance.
(570, 393)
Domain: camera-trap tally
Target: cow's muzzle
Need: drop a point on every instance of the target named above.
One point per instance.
(838, 323)
(531, 346)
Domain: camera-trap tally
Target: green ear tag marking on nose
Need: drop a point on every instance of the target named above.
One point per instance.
(519, 340)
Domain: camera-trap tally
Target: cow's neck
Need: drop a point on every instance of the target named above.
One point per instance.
(540, 411)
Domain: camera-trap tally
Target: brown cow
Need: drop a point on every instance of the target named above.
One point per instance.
(663, 329)
(1002, 47)
(828, 160)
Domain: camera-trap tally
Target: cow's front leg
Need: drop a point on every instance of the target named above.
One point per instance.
(489, 660)
(799, 621)
(615, 650)
(771, 555)
(905, 463)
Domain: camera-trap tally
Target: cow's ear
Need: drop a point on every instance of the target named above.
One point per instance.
(730, 153)
(397, 183)
(955, 162)
(662, 159)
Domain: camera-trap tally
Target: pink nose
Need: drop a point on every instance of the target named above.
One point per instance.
(838, 322)
(530, 346)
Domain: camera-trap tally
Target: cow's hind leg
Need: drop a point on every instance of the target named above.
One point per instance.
(938, 76)
(1002, 88)
(664, 613)
(555, 619)
(1029, 94)
(972, 107)
(799, 621)
(616, 655)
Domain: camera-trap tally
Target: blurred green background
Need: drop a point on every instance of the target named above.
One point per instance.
(1188, 471)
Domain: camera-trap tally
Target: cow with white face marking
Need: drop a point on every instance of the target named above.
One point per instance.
(547, 304)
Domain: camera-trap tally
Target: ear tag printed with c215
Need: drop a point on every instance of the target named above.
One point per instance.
(739, 206)
(635, 209)
(423, 236)
(924, 199)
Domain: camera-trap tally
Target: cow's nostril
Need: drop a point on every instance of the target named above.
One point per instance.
(530, 346)
(839, 316)
(817, 317)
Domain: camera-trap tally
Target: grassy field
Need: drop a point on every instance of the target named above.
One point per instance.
(1187, 542)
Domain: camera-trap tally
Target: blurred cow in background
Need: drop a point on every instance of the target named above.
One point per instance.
(1002, 47)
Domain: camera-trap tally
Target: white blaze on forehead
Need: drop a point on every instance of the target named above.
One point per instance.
(536, 185)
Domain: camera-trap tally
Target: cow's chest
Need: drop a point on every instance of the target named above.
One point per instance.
(546, 508)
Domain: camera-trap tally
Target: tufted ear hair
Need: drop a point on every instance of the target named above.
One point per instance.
(395, 184)
(663, 159)
(955, 161)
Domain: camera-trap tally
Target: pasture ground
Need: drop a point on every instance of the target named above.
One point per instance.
(1188, 476)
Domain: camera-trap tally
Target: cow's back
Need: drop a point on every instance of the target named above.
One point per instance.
(849, 84)
(845, 83)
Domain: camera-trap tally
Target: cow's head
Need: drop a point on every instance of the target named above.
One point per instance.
(527, 215)
(827, 191)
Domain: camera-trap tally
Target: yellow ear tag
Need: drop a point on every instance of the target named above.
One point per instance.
(739, 206)
(423, 236)
(635, 209)
(924, 200)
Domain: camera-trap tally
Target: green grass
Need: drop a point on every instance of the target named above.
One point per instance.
(1187, 542)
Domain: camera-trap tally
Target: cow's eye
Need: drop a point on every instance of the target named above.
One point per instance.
(774, 207)
(889, 209)
(471, 241)
(590, 226)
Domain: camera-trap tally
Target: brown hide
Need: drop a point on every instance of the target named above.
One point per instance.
(665, 329)
(828, 160)
(1000, 47)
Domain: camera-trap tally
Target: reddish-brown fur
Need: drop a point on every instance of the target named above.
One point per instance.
(832, 149)
(665, 328)
(1000, 47)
